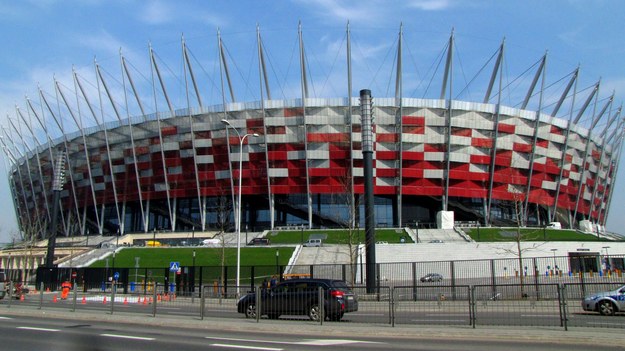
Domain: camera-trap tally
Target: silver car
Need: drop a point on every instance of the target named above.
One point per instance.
(607, 303)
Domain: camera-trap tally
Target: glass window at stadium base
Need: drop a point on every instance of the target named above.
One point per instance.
(436, 161)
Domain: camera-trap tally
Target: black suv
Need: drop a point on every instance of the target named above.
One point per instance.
(258, 241)
(301, 297)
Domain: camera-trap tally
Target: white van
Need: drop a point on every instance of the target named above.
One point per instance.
(314, 243)
(554, 225)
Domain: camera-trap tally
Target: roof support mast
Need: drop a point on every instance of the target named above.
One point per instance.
(497, 70)
(21, 179)
(201, 204)
(540, 72)
(582, 173)
(353, 197)
(399, 126)
(154, 67)
(566, 138)
(600, 165)
(222, 67)
(448, 76)
(132, 138)
(40, 169)
(304, 91)
(262, 77)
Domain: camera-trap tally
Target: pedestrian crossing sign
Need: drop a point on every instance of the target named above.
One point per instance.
(174, 266)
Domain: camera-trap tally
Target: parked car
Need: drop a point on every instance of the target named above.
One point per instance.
(607, 303)
(259, 241)
(431, 277)
(2, 284)
(301, 297)
(436, 241)
(314, 243)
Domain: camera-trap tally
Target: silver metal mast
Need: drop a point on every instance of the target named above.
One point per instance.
(399, 125)
(541, 71)
(201, 204)
(132, 139)
(448, 76)
(262, 73)
(566, 140)
(304, 92)
(493, 154)
(160, 133)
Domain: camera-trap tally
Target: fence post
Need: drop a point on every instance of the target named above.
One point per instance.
(321, 304)
(563, 306)
(75, 297)
(113, 291)
(40, 295)
(202, 303)
(472, 305)
(154, 299)
(392, 306)
(259, 300)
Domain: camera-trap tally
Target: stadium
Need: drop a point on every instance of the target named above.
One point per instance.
(298, 161)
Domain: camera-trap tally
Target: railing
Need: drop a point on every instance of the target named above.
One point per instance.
(529, 305)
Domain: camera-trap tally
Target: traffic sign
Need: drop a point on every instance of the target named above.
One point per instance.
(174, 266)
(116, 276)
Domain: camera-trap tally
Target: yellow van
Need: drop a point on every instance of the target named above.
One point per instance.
(152, 243)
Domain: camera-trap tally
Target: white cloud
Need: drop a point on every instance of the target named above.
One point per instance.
(157, 12)
(430, 5)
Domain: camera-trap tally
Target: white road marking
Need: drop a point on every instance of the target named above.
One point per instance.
(1, 317)
(39, 329)
(439, 320)
(126, 337)
(318, 342)
(539, 315)
(246, 347)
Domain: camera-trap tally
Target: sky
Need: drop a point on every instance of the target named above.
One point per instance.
(44, 40)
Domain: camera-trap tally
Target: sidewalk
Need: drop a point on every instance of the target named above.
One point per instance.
(574, 336)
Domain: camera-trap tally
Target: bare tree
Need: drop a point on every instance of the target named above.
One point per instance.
(518, 216)
(350, 221)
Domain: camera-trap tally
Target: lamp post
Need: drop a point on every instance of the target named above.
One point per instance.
(238, 214)
(277, 262)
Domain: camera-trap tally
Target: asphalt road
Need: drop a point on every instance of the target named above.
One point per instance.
(28, 332)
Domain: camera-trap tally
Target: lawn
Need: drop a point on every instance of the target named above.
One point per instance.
(338, 236)
(160, 257)
(528, 234)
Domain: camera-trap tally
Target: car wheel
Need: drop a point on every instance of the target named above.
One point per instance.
(314, 313)
(250, 311)
(606, 308)
(273, 316)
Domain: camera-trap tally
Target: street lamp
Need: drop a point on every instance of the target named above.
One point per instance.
(277, 262)
(238, 214)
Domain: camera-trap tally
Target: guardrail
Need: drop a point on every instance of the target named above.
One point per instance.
(528, 305)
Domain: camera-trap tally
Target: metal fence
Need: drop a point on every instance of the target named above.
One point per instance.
(542, 305)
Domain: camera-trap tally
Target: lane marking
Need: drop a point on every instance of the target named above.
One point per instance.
(540, 315)
(1, 317)
(313, 342)
(440, 320)
(127, 337)
(246, 347)
(39, 329)
(447, 315)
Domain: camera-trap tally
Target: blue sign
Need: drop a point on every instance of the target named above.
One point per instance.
(116, 276)
(174, 266)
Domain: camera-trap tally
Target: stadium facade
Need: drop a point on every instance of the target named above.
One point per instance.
(179, 170)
